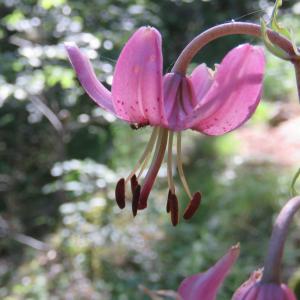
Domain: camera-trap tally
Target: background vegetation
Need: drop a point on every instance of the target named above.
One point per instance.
(62, 236)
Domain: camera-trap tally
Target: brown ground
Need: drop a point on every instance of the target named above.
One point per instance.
(278, 141)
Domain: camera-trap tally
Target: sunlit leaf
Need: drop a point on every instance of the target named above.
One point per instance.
(47, 4)
(294, 181)
(277, 27)
(59, 75)
(15, 17)
(270, 46)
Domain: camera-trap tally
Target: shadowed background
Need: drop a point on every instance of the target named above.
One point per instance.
(61, 234)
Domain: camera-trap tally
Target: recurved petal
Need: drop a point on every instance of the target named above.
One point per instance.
(234, 94)
(205, 286)
(137, 82)
(202, 80)
(88, 79)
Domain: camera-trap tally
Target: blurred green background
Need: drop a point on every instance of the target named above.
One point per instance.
(61, 234)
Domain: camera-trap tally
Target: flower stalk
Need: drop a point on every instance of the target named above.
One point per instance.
(230, 29)
(297, 72)
(273, 259)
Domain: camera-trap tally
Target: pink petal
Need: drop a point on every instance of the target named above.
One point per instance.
(289, 294)
(247, 285)
(179, 99)
(269, 291)
(234, 94)
(137, 82)
(88, 79)
(251, 294)
(171, 84)
(256, 290)
(202, 80)
(205, 286)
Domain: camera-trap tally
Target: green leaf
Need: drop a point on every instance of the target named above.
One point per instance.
(59, 75)
(15, 17)
(47, 4)
(274, 24)
(277, 27)
(270, 46)
(292, 188)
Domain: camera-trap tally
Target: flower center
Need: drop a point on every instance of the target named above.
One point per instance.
(160, 140)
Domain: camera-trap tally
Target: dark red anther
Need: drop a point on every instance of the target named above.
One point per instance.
(168, 202)
(120, 193)
(135, 199)
(192, 206)
(174, 209)
(134, 183)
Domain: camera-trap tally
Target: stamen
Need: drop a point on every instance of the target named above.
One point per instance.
(147, 152)
(145, 163)
(120, 193)
(174, 209)
(192, 206)
(180, 168)
(135, 199)
(160, 149)
(133, 183)
(168, 201)
(169, 163)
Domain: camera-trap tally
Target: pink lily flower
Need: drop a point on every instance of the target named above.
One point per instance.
(212, 103)
(205, 285)
(254, 289)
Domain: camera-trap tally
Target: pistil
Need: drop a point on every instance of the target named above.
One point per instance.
(160, 149)
(170, 163)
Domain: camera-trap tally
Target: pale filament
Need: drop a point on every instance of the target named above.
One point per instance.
(145, 155)
(180, 168)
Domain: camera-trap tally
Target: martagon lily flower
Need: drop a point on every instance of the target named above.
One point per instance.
(209, 102)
